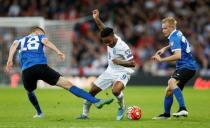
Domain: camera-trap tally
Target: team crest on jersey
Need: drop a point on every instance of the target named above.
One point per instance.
(128, 53)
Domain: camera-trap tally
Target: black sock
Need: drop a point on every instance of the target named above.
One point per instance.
(34, 102)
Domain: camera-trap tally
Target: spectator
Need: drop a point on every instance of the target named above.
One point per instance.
(137, 21)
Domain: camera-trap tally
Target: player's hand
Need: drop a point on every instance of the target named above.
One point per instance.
(157, 58)
(9, 65)
(95, 13)
(160, 52)
(116, 61)
(62, 56)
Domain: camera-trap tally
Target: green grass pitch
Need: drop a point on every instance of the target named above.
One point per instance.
(60, 109)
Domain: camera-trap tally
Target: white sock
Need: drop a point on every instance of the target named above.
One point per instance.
(86, 107)
(120, 99)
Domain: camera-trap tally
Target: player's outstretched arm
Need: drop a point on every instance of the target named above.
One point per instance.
(162, 50)
(128, 63)
(50, 45)
(12, 51)
(176, 56)
(97, 19)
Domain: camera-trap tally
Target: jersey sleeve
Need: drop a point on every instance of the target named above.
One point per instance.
(41, 37)
(127, 54)
(175, 44)
(18, 40)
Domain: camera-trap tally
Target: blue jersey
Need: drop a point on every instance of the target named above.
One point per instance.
(31, 51)
(178, 41)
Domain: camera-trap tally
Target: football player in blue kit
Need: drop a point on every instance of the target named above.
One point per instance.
(34, 67)
(185, 67)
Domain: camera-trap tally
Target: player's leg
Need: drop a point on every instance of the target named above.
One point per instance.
(29, 82)
(54, 78)
(117, 90)
(182, 110)
(64, 83)
(34, 102)
(86, 106)
(183, 75)
(168, 101)
(104, 81)
(177, 93)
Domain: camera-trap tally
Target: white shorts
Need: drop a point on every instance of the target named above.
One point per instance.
(107, 79)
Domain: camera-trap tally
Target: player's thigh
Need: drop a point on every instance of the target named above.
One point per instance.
(181, 85)
(172, 83)
(104, 81)
(49, 75)
(183, 76)
(121, 80)
(29, 79)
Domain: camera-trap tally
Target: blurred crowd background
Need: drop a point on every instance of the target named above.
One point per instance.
(137, 22)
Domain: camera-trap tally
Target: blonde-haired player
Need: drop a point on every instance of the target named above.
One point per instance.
(185, 67)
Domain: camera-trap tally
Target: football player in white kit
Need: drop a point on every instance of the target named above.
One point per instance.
(120, 67)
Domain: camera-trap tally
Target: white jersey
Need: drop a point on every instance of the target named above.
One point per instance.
(120, 51)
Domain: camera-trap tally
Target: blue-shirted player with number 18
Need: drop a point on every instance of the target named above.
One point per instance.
(34, 67)
(185, 67)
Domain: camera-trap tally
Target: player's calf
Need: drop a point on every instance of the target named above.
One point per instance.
(172, 83)
(34, 101)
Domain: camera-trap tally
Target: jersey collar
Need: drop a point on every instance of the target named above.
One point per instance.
(171, 33)
(116, 41)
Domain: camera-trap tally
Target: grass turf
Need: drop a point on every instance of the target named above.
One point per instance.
(61, 108)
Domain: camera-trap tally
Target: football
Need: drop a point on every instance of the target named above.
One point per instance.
(134, 113)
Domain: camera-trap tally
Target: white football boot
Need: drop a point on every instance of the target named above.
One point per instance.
(181, 113)
(38, 115)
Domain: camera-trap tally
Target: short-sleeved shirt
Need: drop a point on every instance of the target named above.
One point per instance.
(31, 51)
(178, 41)
(120, 51)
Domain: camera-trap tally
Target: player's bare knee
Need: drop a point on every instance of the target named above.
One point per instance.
(171, 83)
(64, 83)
